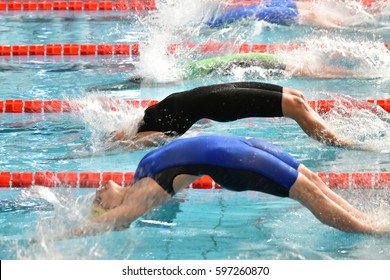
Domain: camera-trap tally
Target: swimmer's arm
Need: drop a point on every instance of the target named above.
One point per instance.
(115, 219)
(143, 199)
(109, 221)
(140, 140)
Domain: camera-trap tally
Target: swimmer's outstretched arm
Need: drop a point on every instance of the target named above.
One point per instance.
(310, 14)
(324, 72)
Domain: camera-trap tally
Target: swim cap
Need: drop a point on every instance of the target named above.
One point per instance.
(97, 211)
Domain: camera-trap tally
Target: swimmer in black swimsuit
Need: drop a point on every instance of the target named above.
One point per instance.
(175, 114)
(237, 164)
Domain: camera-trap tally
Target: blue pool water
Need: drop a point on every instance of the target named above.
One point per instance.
(196, 224)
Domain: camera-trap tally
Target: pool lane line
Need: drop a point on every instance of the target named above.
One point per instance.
(95, 5)
(335, 180)
(73, 49)
(69, 49)
(77, 5)
(65, 106)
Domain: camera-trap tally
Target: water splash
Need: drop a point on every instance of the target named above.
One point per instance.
(103, 115)
(343, 13)
(67, 210)
(174, 22)
(332, 56)
(365, 125)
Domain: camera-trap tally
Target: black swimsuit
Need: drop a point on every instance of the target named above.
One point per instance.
(224, 102)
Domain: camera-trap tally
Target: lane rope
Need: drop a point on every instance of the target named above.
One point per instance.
(77, 5)
(134, 49)
(65, 106)
(340, 180)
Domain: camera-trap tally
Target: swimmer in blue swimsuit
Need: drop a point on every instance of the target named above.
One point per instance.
(280, 12)
(237, 164)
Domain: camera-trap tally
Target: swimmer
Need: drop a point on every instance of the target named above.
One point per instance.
(225, 65)
(235, 163)
(282, 13)
(175, 115)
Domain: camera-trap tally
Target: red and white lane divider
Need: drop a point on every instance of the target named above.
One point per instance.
(69, 49)
(58, 106)
(134, 49)
(341, 180)
(65, 106)
(77, 5)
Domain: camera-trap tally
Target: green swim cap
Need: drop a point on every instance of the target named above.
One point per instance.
(97, 211)
(201, 68)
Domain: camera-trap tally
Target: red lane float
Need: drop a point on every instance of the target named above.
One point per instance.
(324, 106)
(77, 5)
(57, 106)
(69, 49)
(134, 49)
(339, 180)
(242, 48)
(54, 106)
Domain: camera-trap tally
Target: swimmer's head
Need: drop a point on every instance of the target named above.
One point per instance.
(97, 209)
(109, 196)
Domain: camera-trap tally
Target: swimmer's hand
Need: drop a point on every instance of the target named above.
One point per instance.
(363, 147)
(349, 145)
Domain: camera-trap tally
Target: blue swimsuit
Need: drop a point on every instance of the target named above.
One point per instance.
(277, 12)
(235, 163)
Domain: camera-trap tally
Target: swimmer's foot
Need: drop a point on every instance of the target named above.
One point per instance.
(363, 147)
(350, 145)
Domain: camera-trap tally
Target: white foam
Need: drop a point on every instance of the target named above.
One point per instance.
(101, 119)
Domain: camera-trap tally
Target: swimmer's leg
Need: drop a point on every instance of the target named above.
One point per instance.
(293, 92)
(309, 14)
(327, 210)
(313, 177)
(295, 107)
(275, 151)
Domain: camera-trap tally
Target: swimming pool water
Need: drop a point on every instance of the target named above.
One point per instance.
(197, 224)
